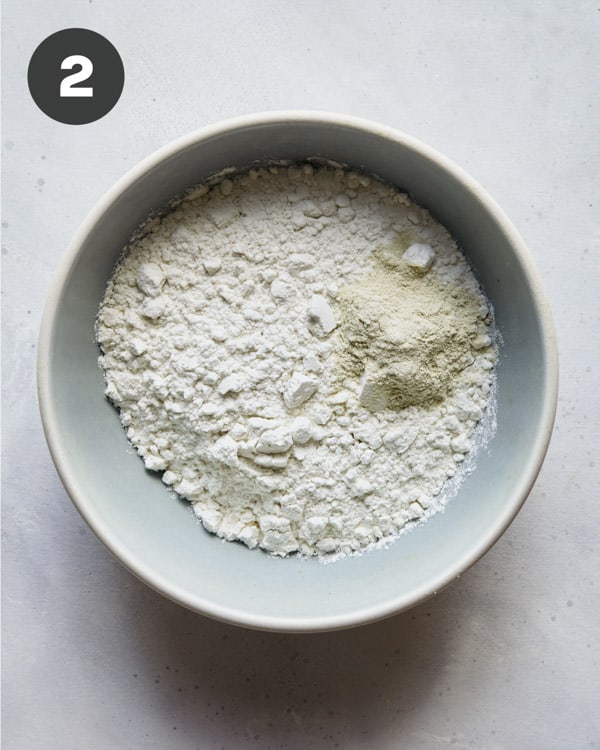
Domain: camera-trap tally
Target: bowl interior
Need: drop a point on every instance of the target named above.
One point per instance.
(155, 534)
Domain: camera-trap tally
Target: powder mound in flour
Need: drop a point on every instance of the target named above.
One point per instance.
(304, 354)
(406, 334)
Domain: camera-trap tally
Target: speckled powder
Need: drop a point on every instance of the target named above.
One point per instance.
(304, 354)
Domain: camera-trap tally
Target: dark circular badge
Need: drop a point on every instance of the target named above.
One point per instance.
(75, 76)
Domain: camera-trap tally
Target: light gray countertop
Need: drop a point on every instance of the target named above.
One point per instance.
(507, 657)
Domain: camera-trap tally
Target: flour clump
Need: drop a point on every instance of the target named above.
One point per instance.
(304, 354)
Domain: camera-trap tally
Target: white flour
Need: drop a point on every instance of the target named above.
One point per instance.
(304, 353)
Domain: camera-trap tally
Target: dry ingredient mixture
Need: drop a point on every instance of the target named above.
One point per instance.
(304, 353)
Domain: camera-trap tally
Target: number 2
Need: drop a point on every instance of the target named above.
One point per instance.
(66, 85)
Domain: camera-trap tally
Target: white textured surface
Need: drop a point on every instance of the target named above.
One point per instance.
(507, 657)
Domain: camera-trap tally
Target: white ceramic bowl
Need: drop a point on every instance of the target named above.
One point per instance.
(156, 536)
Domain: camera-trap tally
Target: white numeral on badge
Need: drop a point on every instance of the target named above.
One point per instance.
(66, 85)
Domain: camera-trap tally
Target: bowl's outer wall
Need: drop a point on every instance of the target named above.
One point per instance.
(156, 535)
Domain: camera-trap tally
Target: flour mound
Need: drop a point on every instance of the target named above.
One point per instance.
(304, 354)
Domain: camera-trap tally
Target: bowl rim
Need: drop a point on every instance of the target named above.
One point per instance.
(50, 418)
